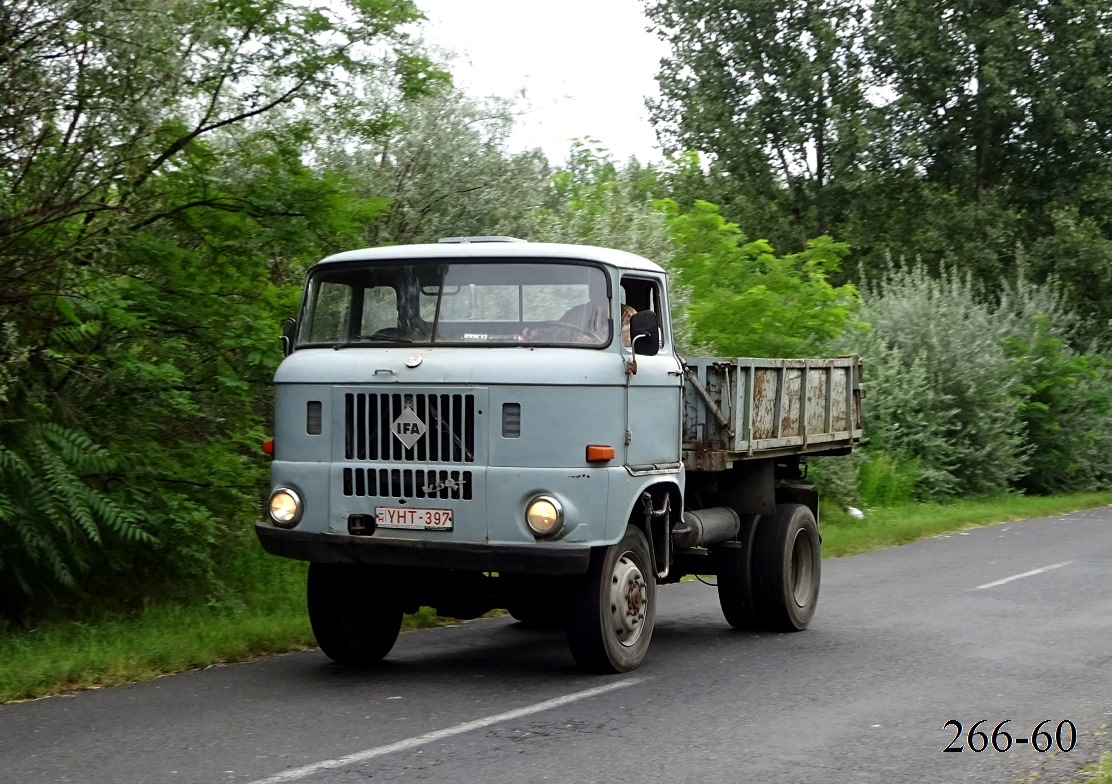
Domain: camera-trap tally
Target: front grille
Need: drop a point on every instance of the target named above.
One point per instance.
(407, 483)
(449, 420)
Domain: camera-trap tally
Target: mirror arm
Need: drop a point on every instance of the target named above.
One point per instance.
(631, 364)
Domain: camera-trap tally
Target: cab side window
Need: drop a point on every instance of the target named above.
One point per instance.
(640, 294)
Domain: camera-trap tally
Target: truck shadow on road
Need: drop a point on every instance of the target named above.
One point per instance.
(504, 650)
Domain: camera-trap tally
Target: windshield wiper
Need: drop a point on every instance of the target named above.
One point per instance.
(371, 339)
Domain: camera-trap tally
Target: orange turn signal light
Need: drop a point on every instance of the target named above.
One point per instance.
(268, 447)
(599, 454)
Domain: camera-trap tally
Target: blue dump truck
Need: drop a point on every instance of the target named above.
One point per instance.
(488, 423)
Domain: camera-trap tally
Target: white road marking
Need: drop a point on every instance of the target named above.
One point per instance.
(404, 745)
(1040, 570)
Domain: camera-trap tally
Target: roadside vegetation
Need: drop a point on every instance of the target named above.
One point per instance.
(944, 211)
(898, 524)
(1102, 774)
(260, 610)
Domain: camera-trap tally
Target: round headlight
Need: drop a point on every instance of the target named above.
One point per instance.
(544, 515)
(285, 507)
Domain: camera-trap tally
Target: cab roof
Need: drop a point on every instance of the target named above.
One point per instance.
(497, 250)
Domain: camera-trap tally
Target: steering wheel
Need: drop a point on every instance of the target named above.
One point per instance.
(567, 325)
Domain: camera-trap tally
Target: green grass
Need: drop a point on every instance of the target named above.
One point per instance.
(1101, 774)
(903, 523)
(261, 608)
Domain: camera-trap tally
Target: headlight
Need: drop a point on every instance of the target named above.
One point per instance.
(285, 507)
(544, 515)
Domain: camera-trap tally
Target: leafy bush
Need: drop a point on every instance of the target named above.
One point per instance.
(746, 300)
(836, 478)
(940, 384)
(886, 481)
(1065, 403)
(982, 392)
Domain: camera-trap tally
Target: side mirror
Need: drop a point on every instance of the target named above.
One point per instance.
(644, 333)
(289, 332)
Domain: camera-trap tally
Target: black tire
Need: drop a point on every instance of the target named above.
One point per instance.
(735, 588)
(350, 621)
(787, 568)
(613, 607)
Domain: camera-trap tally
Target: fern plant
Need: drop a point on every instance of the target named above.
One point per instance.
(53, 507)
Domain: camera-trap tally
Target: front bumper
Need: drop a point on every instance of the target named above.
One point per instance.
(502, 558)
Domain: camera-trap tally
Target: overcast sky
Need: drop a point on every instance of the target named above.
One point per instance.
(585, 65)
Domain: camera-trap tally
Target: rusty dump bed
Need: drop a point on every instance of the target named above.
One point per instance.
(738, 409)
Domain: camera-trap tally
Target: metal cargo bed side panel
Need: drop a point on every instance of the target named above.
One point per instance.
(735, 409)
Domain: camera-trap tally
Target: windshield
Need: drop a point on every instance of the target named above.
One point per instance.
(458, 303)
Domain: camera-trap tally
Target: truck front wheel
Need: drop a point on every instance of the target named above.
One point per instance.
(786, 568)
(351, 619)
(613, 608)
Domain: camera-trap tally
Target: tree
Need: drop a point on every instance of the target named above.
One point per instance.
(1001, 117)
(1066, 406)
(152, 195)
(746, 300)
(958, 133)
(440, 158)
(596, 201)
(772, 94)
(729, 295)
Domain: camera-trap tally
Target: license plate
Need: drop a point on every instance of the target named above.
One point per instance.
(410, 517)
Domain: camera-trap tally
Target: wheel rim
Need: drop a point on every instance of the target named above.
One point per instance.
(803, 568)
(629, 601)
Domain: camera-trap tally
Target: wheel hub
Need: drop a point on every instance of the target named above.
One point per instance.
(628, 601)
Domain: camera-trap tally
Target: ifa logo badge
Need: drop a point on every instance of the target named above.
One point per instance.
(408, 428)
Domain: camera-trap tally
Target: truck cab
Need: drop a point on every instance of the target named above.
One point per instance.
(472, 425)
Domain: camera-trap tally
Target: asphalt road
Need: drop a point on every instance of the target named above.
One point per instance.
(904, 640)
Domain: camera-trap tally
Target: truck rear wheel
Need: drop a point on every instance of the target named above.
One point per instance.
(735, 589)
(612, 611)
(786, 568)
(350, 621)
